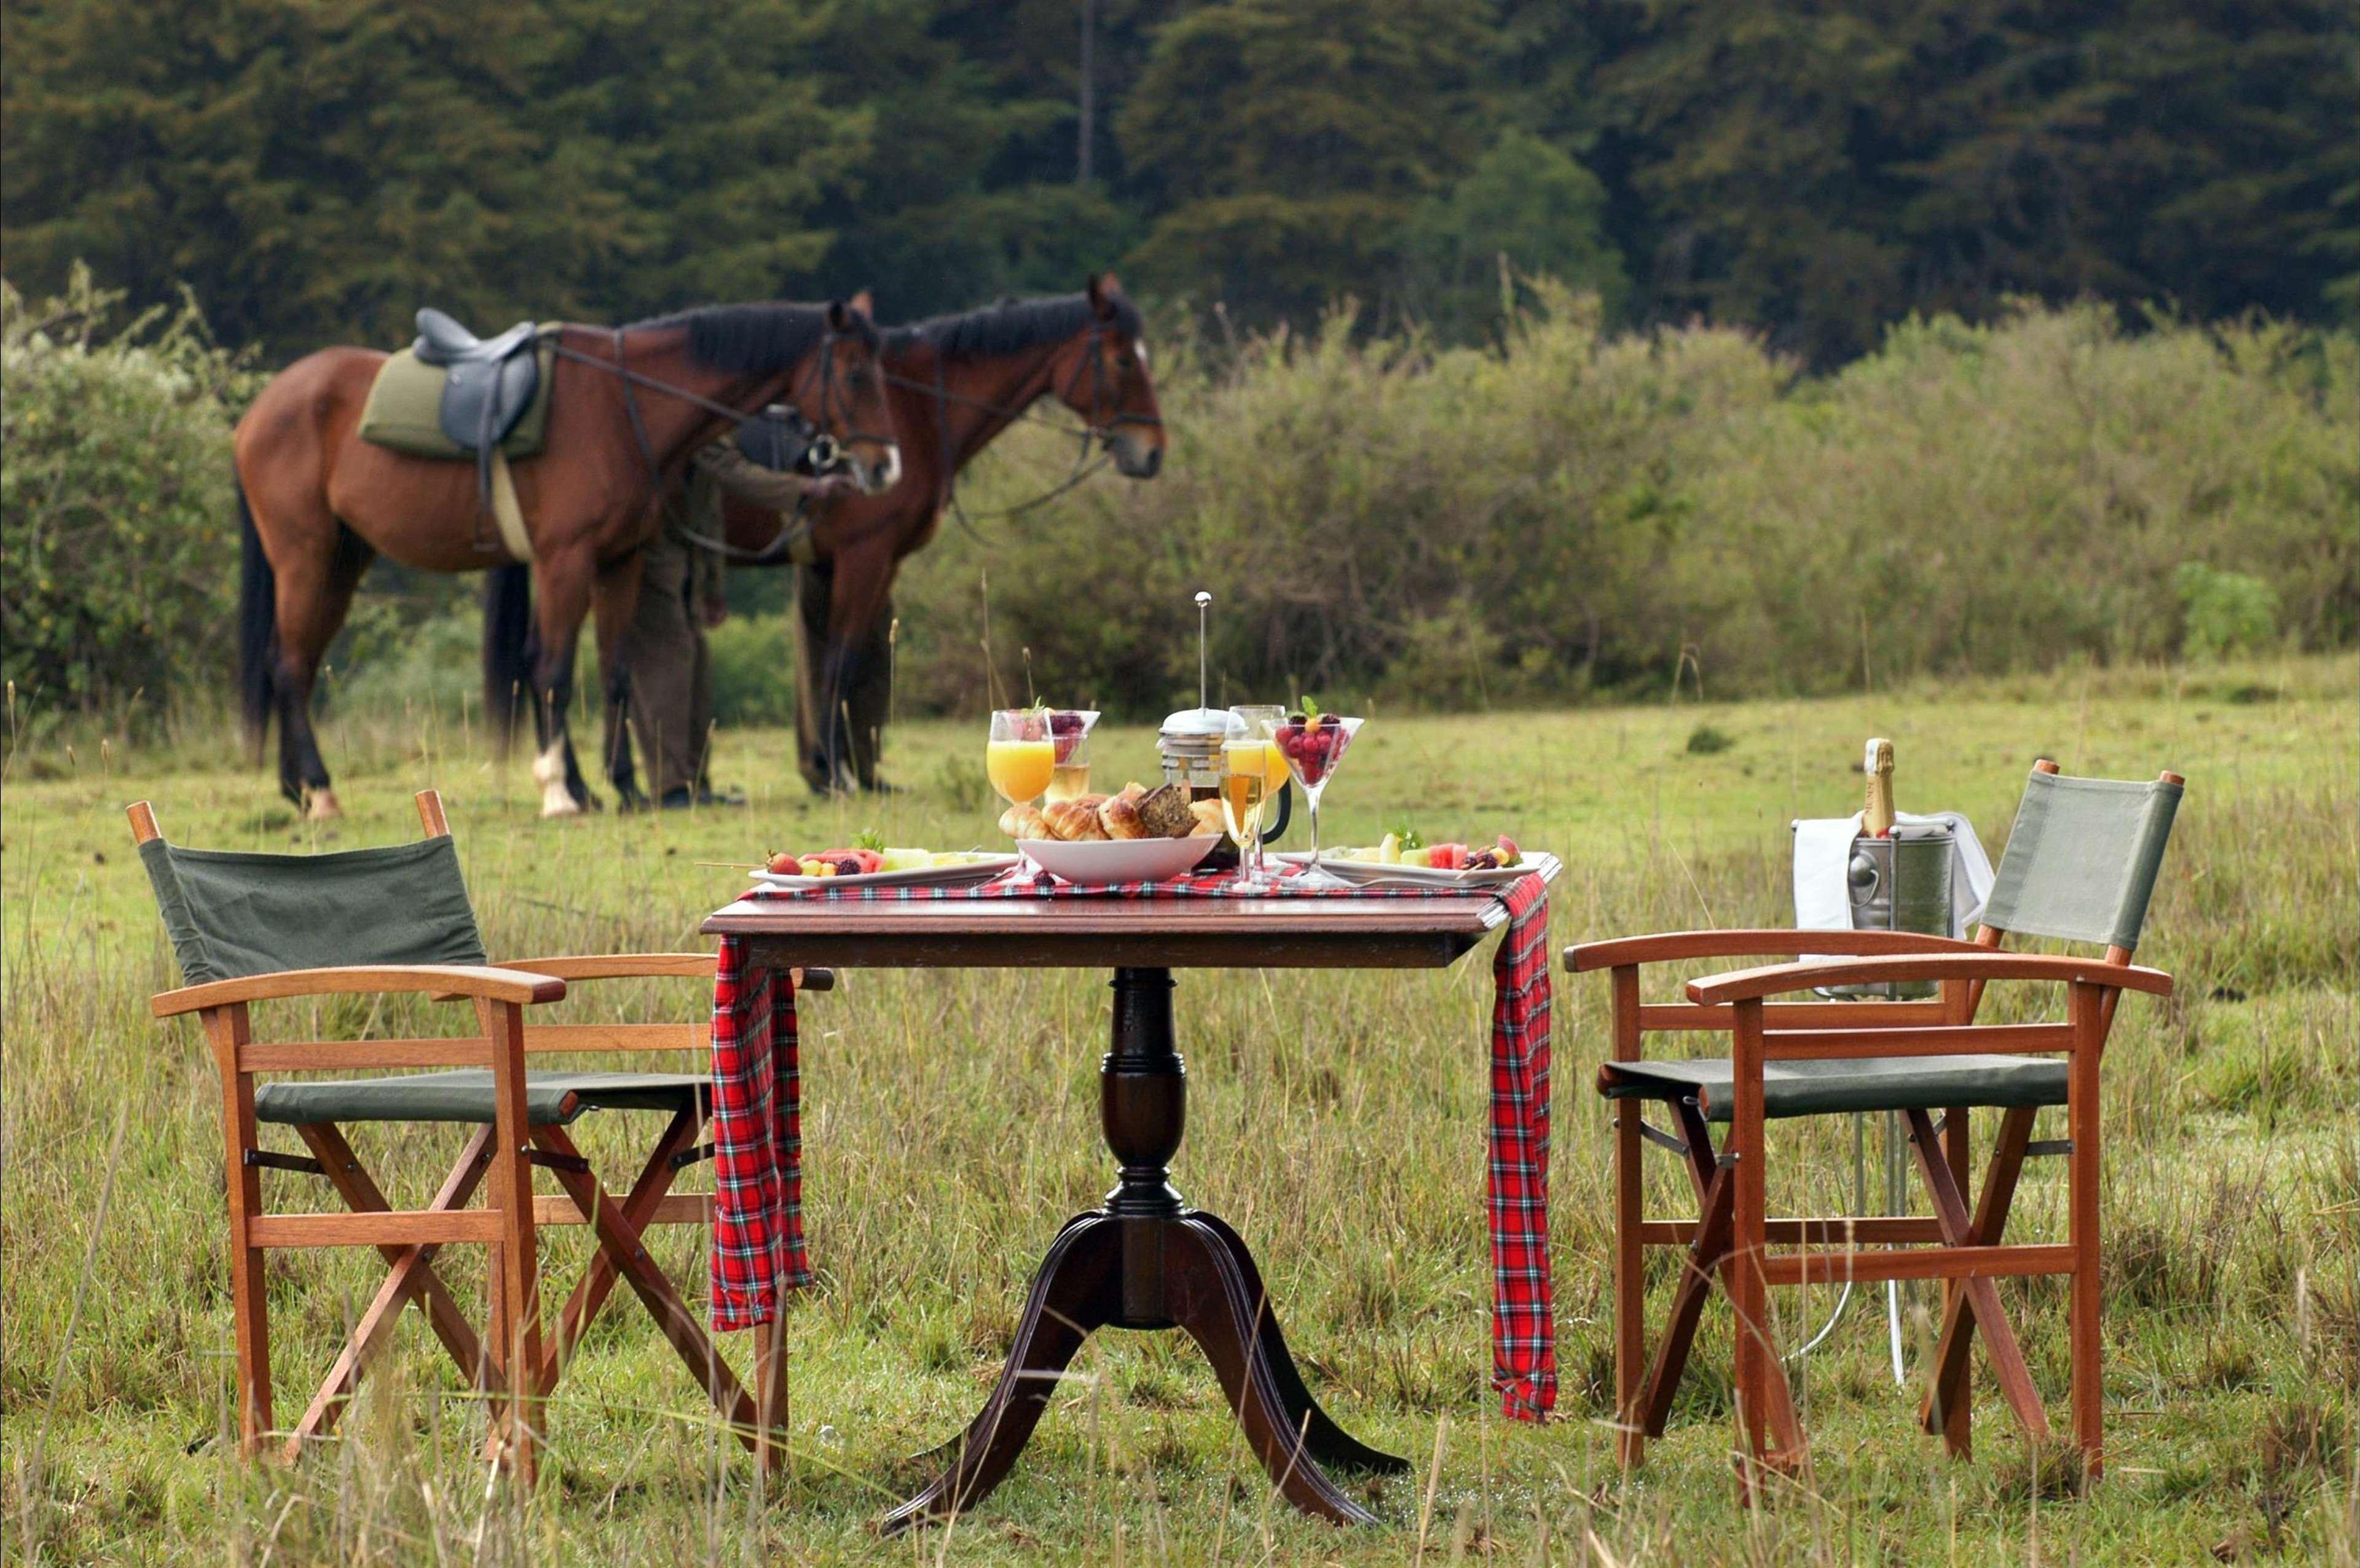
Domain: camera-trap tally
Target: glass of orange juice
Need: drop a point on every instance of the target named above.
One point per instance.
(1021, 755)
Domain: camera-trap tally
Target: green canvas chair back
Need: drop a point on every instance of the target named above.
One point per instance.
(232, 913)
(2082, 859)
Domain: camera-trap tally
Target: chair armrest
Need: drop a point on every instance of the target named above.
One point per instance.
(1751, 985)
(448, 980)
(1667, 946)
(651, 966)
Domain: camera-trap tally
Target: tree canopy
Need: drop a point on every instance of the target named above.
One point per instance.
(315, 169)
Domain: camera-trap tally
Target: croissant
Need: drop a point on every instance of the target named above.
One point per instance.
(1209, 819)
(1075, 819)
(1024, 822)
(1119, 816)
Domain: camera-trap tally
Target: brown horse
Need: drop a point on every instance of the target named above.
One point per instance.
(627, 407)
(956, 382)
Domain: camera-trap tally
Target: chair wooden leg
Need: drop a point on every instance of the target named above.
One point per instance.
(1963, 1318)
(648, 1190)
(1629, 1285)
(2086, 1011)
(516, 1270)
(1708, 1253)
(229, 1030)
(618, 1239)
(410, 1277)
(1630, 1252)
(1749, 1293)
(1704, 1170)
(770, 1391)
(1959, 1406)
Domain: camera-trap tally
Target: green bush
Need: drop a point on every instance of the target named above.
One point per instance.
(753, 672)
(2225, 612)
(117, 514)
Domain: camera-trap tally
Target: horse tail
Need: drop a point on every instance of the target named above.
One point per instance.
(507, 650)
(257, 627)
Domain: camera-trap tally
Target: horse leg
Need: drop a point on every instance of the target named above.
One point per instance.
(563, 586)
(314, 596)
(614, 602)
(855, 608)
(868, 692)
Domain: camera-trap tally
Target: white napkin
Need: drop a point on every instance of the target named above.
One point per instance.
(1823, 859)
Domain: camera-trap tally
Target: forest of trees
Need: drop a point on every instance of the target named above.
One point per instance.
(315, 169)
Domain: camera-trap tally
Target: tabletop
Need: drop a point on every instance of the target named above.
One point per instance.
(1424, 930)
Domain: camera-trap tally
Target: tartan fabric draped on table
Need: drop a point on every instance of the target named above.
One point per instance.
(758, 1236)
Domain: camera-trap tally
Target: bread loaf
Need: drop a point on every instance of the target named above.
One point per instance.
(1165, 811)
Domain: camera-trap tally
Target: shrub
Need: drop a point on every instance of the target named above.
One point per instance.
(116, 517)
(2223, 612)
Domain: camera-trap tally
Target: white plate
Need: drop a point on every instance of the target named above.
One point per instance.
(977, 870)
(1095, 862)
(1370, 873)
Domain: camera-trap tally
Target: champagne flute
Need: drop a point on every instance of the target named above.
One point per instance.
(1245, 791)
(1313, 743)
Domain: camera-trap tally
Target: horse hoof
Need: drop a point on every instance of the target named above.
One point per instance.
(320, 806)
(561, 804)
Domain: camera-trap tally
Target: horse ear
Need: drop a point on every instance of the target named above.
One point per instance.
(863, 303)
(1104, 287)
(839, 317)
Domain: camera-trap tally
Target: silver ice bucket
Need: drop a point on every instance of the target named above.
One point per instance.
(1902, 883)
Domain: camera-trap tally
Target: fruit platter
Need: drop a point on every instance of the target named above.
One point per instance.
(869, 862)
(1405, 858)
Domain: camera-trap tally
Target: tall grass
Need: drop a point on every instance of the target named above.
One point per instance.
(1336, 1118)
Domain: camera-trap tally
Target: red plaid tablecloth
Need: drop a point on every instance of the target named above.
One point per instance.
(758, 1234)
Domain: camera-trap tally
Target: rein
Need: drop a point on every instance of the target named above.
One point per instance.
(631, 378)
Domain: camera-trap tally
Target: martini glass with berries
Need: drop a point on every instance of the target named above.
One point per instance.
(1313, 743)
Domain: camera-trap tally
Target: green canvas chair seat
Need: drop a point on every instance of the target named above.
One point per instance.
(552, 1099)
(1821, 1088)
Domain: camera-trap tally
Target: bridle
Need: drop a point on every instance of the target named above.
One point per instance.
(632, 379)
(1097, 425)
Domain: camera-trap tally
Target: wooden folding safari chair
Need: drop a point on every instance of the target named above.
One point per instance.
(250, 928)
(2079, 867)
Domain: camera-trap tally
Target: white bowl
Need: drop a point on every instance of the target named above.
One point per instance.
(1095, 862)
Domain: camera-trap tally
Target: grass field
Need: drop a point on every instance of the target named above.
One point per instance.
(1338, 1119)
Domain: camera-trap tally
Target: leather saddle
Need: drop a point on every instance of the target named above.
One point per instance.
(491, 383)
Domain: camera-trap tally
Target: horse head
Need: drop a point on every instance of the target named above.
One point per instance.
(842, 390)
(1103, 378)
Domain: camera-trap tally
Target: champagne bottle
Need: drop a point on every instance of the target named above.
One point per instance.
(1876, 819)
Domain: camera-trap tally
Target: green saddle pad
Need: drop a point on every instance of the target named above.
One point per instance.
(405, 409)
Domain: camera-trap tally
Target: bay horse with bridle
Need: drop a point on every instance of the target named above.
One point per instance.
(956, 382)
(627, 407)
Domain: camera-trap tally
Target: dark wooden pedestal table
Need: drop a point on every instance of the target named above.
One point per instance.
(1143, 1260)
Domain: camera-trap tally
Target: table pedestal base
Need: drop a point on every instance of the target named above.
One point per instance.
(1145, 1261)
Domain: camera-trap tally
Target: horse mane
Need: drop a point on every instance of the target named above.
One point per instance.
(1012, 326)
(751, 339)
